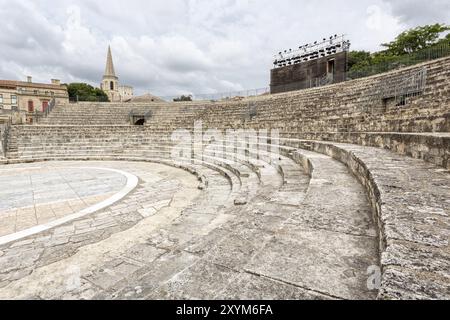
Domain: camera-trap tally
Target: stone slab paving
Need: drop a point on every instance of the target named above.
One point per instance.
(411, 205)
(33, 196)
(168, 240)
(160, 187)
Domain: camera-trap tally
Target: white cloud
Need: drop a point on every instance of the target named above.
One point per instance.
(181, 46)
(420, 12)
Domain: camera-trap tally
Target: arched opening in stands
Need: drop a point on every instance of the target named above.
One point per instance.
(139, 122)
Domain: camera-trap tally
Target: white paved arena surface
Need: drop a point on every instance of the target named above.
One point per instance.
(33, 195)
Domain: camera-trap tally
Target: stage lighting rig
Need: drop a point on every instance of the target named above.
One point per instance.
(310, 51)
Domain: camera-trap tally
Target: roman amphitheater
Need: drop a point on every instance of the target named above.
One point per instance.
(350, 201)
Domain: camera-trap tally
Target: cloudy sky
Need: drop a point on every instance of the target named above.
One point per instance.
(170, 47)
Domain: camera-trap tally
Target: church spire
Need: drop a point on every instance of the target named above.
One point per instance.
(109, 70)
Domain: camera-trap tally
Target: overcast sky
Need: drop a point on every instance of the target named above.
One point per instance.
(188, 46)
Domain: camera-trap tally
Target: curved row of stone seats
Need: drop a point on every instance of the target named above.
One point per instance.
(275, 246)
(409, 197)
(393, 222)
(347, 106)
(31, 147)
(355, 106)
(88, 113)
(216, 194)
(410, 201)
(107, 145)
(272, 219)
(431, 147)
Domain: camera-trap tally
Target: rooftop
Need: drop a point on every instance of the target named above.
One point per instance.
(15, 84)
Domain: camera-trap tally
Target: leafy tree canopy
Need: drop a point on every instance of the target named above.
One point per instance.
(183, 98)
(415, 39)
(86, 92)
(409, 41)
(360, 58)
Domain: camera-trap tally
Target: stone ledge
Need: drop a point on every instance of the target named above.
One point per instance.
(431, 147)
(403, 214)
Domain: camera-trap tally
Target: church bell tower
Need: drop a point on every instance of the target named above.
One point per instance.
(110, 83)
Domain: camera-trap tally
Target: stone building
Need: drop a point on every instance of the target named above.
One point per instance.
(126, 93)
(110, 83)
(28, 98)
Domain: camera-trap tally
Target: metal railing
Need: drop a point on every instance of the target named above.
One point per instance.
(221, 95)
(435, 52)
(44, 114)
(432, 53)
(306, 84)
(394, 92)
(50, 107)
(4, 135)
(77, 99)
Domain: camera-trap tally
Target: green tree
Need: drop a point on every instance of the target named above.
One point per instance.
(86, 92)
(415, 39)
(397, 51)
(359, 59)
(183, 98)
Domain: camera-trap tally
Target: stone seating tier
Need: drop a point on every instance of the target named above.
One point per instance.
(349, 190)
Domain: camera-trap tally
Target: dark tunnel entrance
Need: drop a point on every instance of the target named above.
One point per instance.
(139, 122)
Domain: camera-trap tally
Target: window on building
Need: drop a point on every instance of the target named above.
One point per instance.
(111, 85)
(1, 98)
(35, 92)
(13, 99)
(30, 106)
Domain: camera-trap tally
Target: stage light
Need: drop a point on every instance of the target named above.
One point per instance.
(311, 51)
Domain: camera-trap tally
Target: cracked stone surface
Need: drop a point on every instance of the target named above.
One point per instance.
(168, 239)
(34, 195)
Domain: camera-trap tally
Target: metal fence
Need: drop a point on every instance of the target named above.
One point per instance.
(221, 95)
(435, 52)
(4, 134)
(77, 99)
(37, 116)
(393, 92)
(306, 84)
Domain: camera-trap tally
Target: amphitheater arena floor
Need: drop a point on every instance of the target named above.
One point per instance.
(141, 230)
